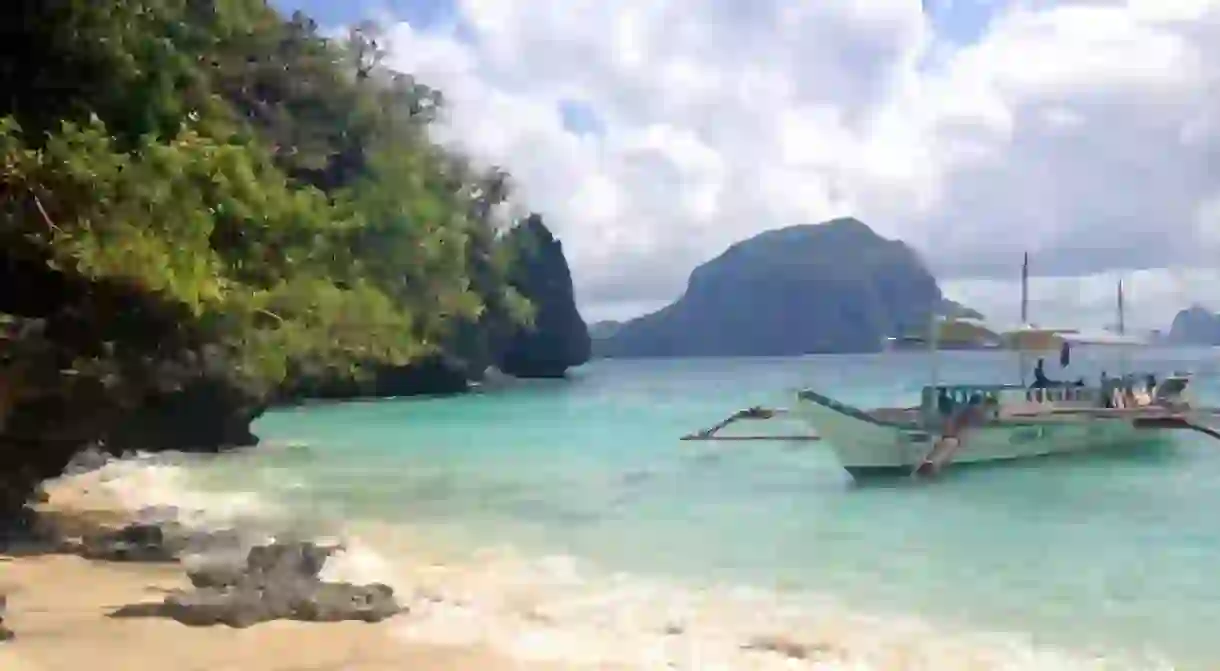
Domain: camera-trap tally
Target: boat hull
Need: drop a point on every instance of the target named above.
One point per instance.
(868, 448)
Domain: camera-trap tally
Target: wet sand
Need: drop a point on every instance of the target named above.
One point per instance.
(61, 606)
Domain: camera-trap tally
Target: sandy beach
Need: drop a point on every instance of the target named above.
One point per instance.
(61, 607)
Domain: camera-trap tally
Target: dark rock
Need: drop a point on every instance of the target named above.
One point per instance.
(87, 460)
(431, 376)
(205, 607)
(786, 647)
(436, 375)
(284, 561)
(134, 543)
(558, 339)
(333, 602)
(24, 528)
(157, 514)
(207, 414)
(277, 581)
(216, 574)
(216, 559)
(6, 634)
(105, 369)
(214, 543)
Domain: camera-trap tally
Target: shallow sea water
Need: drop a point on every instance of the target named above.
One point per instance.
(566, 521)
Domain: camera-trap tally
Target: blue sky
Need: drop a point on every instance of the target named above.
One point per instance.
(420, 13)
(962, 21)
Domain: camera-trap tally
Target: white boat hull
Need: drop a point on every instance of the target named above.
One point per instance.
(871, 448)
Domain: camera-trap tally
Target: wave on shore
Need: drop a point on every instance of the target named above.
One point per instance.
(560, 610)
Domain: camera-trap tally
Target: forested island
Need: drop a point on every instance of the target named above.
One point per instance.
(1195, 325)
(209, 208)
(833, 287)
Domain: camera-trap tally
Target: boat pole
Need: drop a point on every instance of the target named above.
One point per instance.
(933, 347)
(1123, 363)
(1024, 315)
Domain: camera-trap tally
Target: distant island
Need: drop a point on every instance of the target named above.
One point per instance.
(830, 287)
(604, 329)
(1195, 325)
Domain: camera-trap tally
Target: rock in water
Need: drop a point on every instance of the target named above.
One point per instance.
(558, 338)
(287, 560)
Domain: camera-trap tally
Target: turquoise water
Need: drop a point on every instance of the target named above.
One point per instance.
(1095, 552)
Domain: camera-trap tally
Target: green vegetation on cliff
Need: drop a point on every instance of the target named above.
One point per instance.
(201, 202)
(557, 338)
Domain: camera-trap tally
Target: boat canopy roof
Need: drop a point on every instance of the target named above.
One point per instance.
(1036, 338)
(1106, 338)
(1051, 339)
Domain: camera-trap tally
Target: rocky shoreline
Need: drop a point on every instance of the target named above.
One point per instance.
(85, 581)
(236, 579)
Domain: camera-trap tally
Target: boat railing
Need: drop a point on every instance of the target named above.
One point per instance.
(1074, 394)
(963, 394)
(941, 400)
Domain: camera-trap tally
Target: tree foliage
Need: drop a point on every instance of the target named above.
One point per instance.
(274, 188)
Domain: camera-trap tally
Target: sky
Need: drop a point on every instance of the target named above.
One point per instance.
(653, 134)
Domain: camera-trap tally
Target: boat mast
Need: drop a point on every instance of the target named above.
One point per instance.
(1024, 314)
(1122, 330)
(933, 346)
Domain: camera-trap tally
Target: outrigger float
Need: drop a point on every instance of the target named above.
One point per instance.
(973, 423)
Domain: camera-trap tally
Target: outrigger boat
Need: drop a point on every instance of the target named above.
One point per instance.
(972, 423)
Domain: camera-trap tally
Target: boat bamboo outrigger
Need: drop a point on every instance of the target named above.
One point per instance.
(970, 423)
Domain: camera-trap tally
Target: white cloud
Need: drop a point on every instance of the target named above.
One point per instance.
(1084, 132)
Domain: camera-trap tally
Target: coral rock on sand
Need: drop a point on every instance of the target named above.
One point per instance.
(278, 581)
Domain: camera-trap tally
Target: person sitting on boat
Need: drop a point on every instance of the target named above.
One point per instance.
(1040, 379)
